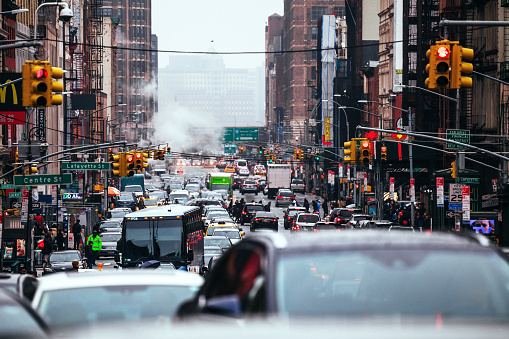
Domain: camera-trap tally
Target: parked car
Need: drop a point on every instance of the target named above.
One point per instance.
(298, 185)
(264, 220)
(290, 213)
(61, 261)
(284, 197)
(305, 222)
(70, 301)
(346, 276)
(249, 212)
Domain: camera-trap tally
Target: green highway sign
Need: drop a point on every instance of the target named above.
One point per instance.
(230, 149)
(86, 166)
(16, 195)
(8, 186)
(43, 179)
(459, 135)
(240, 134)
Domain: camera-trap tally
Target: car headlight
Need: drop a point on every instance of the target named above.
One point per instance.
(47, 269)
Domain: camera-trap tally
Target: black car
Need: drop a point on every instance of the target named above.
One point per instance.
(340, 216)
(249, 211)
(126, 200)
(373, 277)
(264, 220)
(290, 213)
(236, 182)
(325, 226)
(62, 261)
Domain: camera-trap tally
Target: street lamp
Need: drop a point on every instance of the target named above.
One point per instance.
(15, 11)
(346, 119)
(65, 11)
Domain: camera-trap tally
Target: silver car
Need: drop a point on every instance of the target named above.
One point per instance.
(298, 185)
(109, 244)
(305, 222)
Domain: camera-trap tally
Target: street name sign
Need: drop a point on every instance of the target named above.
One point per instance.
(43, 179)
(459, 135)
(16, 195)
(86, 166)
(8, 186)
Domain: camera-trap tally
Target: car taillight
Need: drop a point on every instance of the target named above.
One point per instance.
(273, 220)
(338, 219)
(257, 219)
(279, 197)
(315, 230)
(338, 230)
(304, 185)
(293, 198)
(289, 218)
(244, 212)
(296, 228)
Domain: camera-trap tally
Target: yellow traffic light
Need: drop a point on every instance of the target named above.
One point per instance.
(138, 159)
(439, 65)
(53, 86)
(30, 170)
(365, 152)
(110, 154)
(260, 149)
(350, 151)
(458, 67)
(34, 77)
(383, 154)
(119, 167)
(129, 164)
(453, 169)
(144, 160)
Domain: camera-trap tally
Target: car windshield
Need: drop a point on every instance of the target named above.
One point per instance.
(211, 230)
(308, 218)
(215, 214)
(126, 197)
(299, 182)
(215, 250)
(111, 237)
(135, 188)
(362, 217)
(221, 242)
(63, 257)
(292, 213)
(252, 208)
(110, 224)
(179, 196)
(241, 163)
(228, 234)
(72, 307)
(400, 283)
(249, 182)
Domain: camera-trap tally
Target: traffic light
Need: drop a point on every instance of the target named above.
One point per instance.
(241, 150)
(34, 84)
(350, 151)
(129, 164)
(453, 169)
(53, 86)
(458, 66)
(317, 157)
(110, 154)
(383, 154)
(296, 154)
(119, 168)
(16, 163)
(439, 65)
(30, 170)
(365, 152)
(144, 160)
(138, 159)
(167, 151)
(260, 149)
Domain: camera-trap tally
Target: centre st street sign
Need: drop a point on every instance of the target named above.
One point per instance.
(86, 166)
(459, 135)
(43, 179)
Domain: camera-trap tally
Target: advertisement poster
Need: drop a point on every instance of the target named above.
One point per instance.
(391, 187)
(412, 190)
(440, 192)
(20, 248)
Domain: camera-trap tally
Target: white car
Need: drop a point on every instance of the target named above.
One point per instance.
(72, 300)
(244, 171)
(233, 234)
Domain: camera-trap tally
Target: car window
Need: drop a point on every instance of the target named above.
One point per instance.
(228, 234)
(63, 257)
(252, 208)
(224, 243)
(17, 322)
(347, 213)
(297, 181)
(150, 202)
(286, 194)
(308, 218)
(110, 237)
(117, 214)
(249, 182)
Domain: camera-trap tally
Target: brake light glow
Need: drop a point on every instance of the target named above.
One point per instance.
(244, 212)
(296, 228)
(273, 220)
(257, 219)
(315, 230)
(279, 197)
(293, 198)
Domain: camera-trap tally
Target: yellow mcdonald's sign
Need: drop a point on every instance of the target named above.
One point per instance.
(3, 92)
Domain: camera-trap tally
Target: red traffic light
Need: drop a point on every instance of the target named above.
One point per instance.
(110, 149)
(138, 155)
(443, 52)
(130, 158)
(384, 149)
(41, 73)
(365, 144)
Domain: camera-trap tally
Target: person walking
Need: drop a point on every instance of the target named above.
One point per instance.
(306, 204)
(267, 207)
(314, 205)
(325, 207)
(97, 244)
(318, 207)
(46, 250)
(60, 240)
(76, 230)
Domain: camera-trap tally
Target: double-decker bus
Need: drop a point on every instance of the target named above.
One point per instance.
(221, 181)
(168, 233)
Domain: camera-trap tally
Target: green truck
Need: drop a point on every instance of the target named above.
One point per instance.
(137, 179)
(221, 181)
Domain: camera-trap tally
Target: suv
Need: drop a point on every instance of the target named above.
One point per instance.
(290, 213)
(340, 216)
(249, 211)
(136, 189)
(353, 222)
(305, 222)
(298, 185)
(284, 197)
(249, 186)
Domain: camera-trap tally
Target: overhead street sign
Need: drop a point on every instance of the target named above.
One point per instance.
(86, 166)
(459, 135)
(43, 179)
(240, 134)
(8, 186)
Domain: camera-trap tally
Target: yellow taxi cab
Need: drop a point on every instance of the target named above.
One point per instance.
(219, 224)
(229, 169)
(151, 202)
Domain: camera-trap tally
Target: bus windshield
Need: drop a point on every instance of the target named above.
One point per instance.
(153, 240)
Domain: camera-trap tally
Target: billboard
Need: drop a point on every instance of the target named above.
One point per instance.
(328, 57)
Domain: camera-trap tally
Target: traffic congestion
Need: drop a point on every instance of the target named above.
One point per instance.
(197, 244)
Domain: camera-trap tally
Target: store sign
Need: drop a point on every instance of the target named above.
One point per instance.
(391, 187)
(72, 196)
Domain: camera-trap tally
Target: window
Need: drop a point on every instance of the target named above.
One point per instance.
(317, 12)
(314, 33)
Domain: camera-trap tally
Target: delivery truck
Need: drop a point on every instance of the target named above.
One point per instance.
(278, 176)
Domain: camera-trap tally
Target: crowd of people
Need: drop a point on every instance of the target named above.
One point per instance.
(401, 213)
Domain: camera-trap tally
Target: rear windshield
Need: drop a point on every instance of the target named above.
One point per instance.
(347, 213)
(249, 182)
(364, 217)
(286, 194)
(251, 208)
(308, 218)
(325, 227)
(297, 181)
(242, 163)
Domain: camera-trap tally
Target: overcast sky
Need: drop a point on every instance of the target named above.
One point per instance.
(226, 25)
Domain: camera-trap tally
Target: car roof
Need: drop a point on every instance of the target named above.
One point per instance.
(61, 281)
(163, 211)
(376, 239)
(226, 229)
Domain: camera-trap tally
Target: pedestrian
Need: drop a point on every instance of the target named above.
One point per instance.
(267, 207)
(318, 207)
(230, 206)
(76, 230)
(314, 205)
(46, 249)
(75, 266)
(60, 240)
(306, 204)
(96, 242)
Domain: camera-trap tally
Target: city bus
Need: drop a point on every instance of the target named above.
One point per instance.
(221, 181)
(168, 233)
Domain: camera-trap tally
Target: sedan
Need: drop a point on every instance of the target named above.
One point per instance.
(264, 220)
(249, 186)
(375, 277)
(62, 261)
(109, 244)
(70, 301)
(111, 226)
(233, 235)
